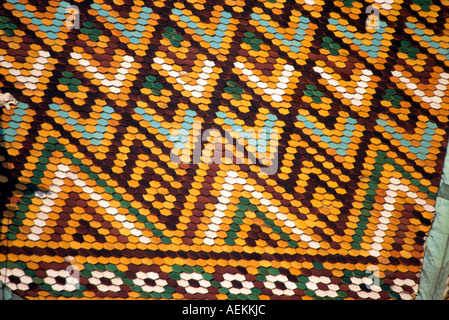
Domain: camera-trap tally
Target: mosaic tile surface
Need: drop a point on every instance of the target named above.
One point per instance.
(90, 191)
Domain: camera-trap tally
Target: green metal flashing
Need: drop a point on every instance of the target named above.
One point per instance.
(7, 294)
(443, 191)
(435, 267)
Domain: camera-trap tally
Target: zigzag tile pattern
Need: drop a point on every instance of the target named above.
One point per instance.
(90, 189)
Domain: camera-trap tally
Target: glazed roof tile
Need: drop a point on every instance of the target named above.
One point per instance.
(357, 105)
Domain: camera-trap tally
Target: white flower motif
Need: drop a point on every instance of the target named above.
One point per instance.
(19, 273)
(203, 283)
(71, 280)
(115, 281)
(289, 285)
(332, 288)
(159, 283)
(230, 278)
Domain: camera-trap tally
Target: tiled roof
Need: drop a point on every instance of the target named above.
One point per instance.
(96, 205)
